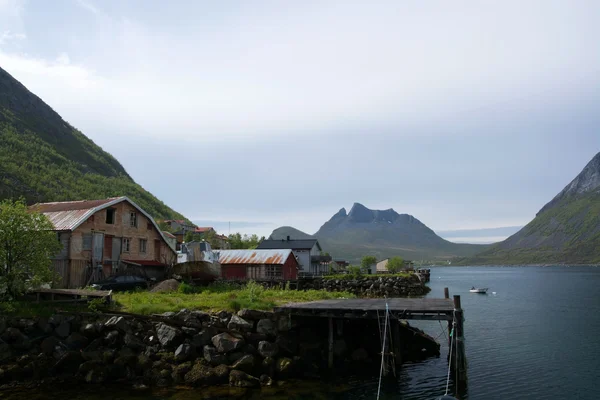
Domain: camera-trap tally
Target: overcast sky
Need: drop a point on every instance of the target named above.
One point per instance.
(466, 114)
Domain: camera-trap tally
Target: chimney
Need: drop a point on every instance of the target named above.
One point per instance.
(288, 238)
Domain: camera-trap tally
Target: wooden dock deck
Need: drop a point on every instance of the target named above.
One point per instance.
(71, 295)
(400, 308)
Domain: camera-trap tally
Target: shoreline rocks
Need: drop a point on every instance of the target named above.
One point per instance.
(371, 286)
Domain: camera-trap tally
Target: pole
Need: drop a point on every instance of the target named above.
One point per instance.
(459, 343)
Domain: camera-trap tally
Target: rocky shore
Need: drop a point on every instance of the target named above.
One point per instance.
(371, 286)
(247, 349)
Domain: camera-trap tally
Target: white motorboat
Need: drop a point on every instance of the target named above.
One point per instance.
(478, 290)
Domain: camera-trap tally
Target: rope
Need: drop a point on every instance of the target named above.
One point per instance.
(383, 349)
(450, 360)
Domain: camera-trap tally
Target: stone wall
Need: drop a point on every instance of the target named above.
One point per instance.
(371, 286)
(194, 348)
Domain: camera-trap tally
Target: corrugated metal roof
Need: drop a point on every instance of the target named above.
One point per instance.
(67, 215)
(254, 256)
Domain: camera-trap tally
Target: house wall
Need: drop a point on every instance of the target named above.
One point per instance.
(233, 271)
(290, 268)
(303, 259)
(121, 229)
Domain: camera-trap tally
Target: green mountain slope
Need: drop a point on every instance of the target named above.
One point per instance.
(566, 230)
(382, 233)
(43, 158)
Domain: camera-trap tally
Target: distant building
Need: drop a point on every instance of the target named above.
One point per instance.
(308, 252)
(382, 266)
(258, 264)
(103, 237)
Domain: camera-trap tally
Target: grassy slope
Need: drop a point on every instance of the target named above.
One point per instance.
(569, 232)
(43, 158)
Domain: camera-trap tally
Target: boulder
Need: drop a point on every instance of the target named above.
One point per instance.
(267, 349)
(184, 352)
(13, 336)
(254, 315)
(268, 366)
(112, 338)
(283, 367)
(222, 374)
(266, 327)
(95, 345)
(118, 323)
(89, 330)
(168, 336)
(91, 355)
(133, 342)
(239, 324)
(246, 364)
(265, 380)
(63, 330)
(213, 356)
(49, 344)
(76, 341)
(287, 343)
(5, 351)
(225, 342)
(234, 356)
(255, 338)
(69, 361)
(242, 379)
(203, 338)
(200, 375)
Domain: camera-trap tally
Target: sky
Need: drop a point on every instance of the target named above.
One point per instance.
(469, 116)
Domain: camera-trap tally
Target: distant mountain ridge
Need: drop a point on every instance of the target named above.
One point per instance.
(43, 158)
(565, 230)
(383, 233)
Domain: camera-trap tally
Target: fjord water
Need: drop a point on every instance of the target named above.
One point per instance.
(535, 335)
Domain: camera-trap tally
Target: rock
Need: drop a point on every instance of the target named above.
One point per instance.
(63, 330)
(118, 323)
(56, 319)
(5, 352)
(255, 338)
(242, 379)
(267, 349)
(284, 324)
(360, 355)
(184, 352)
(91, 355)
(189, 331)
(234, 356)
(112, 338)
(108, 356)
(200, 375)
(2, 325)
(224, 316)
(339, 347)
(266, 327)
(95, 344)
(203, 338)
(184, 368)
(150, 353)
(283, 367)
(168, 336)
(200, 315)
(268, 366)
(226, 342)
(213, 357)
(245, 364)
(69, 361)
(133, 342)
(89, 330)
(239, 324)
(251, 314)
(13, 336)
(76, 341)
(287, 343)
(222, 374)
(168, 314)
(265, 380)
(95, 376)
(144, 362)
(49, 344)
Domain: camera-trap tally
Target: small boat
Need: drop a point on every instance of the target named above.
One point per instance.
(478, 290)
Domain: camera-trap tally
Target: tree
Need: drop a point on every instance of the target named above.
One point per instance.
(395, 264)
(27, 242)
(367, 261)
(237, 241)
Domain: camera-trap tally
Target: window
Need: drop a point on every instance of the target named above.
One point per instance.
(126, 244)
(110, 215)
(133, 219)
(143, 245)
(149, 226)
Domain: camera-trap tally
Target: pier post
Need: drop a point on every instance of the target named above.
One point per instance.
(459, 360)
(446, 293)
(397, 346)
(330, 358)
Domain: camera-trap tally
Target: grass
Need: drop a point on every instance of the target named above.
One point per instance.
(27, 309)
(351, 276)
(218, 297)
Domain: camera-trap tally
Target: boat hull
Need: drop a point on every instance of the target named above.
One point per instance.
(480, 291)
(198, 271)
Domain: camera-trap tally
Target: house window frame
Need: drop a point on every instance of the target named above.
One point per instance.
(143, 245)
(126, 245)
(133, 220)
(109, 211)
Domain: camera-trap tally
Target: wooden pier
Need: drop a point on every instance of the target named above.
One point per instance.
(429, 309)
(71, 295)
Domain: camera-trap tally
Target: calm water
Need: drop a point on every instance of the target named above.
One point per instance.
(536, 337)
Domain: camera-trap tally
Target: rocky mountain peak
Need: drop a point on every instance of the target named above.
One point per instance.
(587, 181)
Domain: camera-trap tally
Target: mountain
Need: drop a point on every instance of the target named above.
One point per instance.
(382, 233)
(566, 230)
(43, 158)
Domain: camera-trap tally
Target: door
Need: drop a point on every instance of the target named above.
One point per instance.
(157, 250)
(98, 247)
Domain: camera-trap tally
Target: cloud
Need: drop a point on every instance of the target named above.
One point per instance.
(88, 5)
(8, 36)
